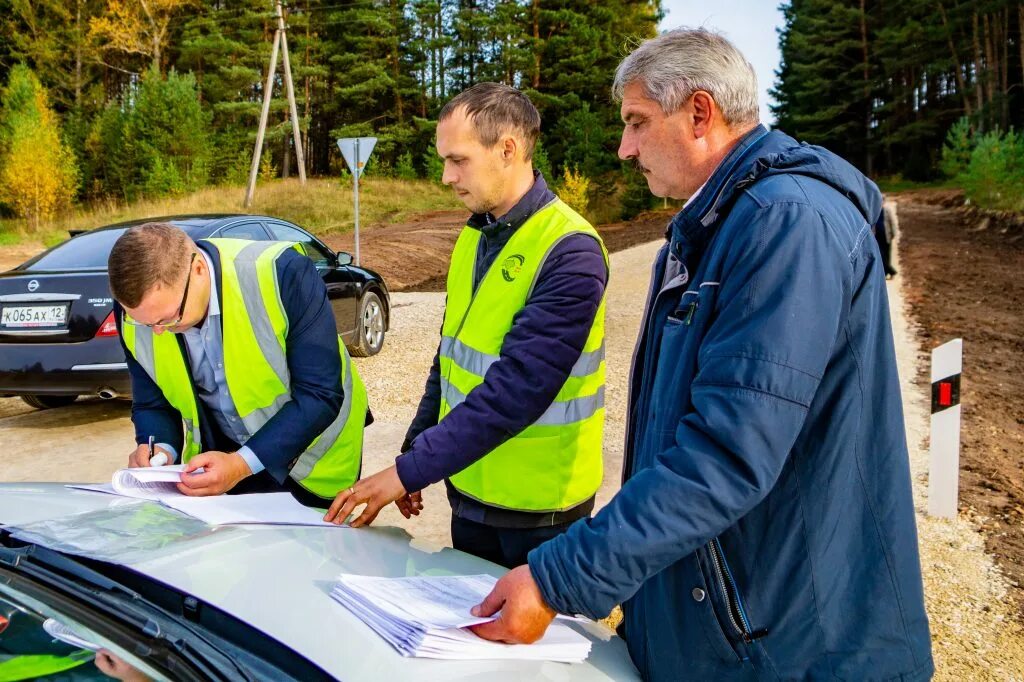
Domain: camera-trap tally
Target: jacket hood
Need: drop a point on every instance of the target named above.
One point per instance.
(761, 154)
(780, 154)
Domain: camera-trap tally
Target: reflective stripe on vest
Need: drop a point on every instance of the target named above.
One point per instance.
(255, 328)
(555, 463)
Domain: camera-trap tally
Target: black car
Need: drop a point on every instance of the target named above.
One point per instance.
(58, 339)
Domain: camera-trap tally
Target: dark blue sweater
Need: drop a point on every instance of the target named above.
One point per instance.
(313, 363)
(545, 341)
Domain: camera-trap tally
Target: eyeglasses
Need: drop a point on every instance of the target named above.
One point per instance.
(181, 308)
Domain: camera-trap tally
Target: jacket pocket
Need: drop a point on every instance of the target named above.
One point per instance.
(708, 618)
(736, 614)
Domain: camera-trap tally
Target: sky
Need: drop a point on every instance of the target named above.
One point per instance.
(749, 24)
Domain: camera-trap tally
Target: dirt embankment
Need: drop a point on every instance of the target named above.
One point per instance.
(964, 273)
(413, 256)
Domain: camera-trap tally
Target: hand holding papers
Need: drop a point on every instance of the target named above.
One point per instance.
(424, 617)
(160, 484)
(144, 483)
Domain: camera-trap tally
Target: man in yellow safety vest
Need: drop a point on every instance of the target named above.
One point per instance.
(513, 412)
(253, 365)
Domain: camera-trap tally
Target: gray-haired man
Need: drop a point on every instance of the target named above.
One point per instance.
(765, 528)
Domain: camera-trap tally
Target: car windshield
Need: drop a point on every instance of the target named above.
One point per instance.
(68, 618)
(38, 643)
(89, 250)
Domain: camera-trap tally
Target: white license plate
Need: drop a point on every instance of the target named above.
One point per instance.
(30, 316)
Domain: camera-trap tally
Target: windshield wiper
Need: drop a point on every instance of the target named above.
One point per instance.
(86, 591)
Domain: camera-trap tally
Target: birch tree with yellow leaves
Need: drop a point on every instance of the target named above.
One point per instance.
(38, 173)
(137, 27)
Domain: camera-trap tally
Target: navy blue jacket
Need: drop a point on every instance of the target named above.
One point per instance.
(537, 355)
(313, 363)
(765, 527)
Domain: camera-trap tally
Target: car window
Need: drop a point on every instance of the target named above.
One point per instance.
(314, 249)
(89, 250)
(251, 231)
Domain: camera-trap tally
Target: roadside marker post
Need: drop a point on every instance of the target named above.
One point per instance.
(356, 151)
(944, 459)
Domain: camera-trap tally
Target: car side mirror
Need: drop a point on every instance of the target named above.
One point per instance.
(344, 258)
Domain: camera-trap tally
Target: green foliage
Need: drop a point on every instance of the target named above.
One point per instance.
(882, 83)
(38, 172)
(404, 170)
(994, 178)
(158, 143)
(636, 196)
(573, 189)
(434, 165)
(268, 171)
(956, 153)
(380, 67)
(541, 162)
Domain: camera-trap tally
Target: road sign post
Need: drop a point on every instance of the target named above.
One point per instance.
(356, 152)
(944, 456)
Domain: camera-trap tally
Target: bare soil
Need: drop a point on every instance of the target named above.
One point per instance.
(413, 256)
(964, 277)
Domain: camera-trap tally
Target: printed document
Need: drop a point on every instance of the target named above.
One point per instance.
(160, 484)
(424, 616)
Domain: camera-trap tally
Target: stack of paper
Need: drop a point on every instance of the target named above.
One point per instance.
(424, 617)
(145, 483)
(159, 484)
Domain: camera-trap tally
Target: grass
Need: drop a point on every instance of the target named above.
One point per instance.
(323, 206)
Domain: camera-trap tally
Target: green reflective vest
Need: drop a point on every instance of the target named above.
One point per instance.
(255, 329)
(555, 463)
(33, 667)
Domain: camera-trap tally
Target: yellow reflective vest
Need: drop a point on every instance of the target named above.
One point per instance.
(255, 328)
(555, 463)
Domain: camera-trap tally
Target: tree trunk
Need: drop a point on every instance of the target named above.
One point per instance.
(396, 60)
(979, 80)
(991, 70)
(1004, 62)
(956, 60)
(1020, 31)
(868, 169)
(78, 54)
(286, 157)
(535, 11)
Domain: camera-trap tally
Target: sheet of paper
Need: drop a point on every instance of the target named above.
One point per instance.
(425, 616)
(60, 631)
(257, 508)
(149, 483)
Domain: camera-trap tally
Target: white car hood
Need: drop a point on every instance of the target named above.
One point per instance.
(278, 579)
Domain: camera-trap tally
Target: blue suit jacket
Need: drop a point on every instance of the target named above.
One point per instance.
(313, 362)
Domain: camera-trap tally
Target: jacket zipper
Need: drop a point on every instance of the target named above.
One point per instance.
(737, 616)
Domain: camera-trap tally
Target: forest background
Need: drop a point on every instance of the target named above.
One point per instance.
(127, 100)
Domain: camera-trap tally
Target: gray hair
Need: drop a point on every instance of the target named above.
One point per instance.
(678, 63)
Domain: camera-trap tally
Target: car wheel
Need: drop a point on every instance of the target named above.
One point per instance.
(370, 327)
(45, 402)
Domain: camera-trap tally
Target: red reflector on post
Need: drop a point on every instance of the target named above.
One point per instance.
(108, 328)
(945, 394)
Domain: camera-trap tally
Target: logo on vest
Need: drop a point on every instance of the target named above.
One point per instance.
(512, 266)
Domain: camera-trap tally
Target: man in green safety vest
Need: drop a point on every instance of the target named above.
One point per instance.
(253, 367)
(513, 412)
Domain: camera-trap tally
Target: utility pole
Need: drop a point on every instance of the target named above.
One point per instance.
(280, 43)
